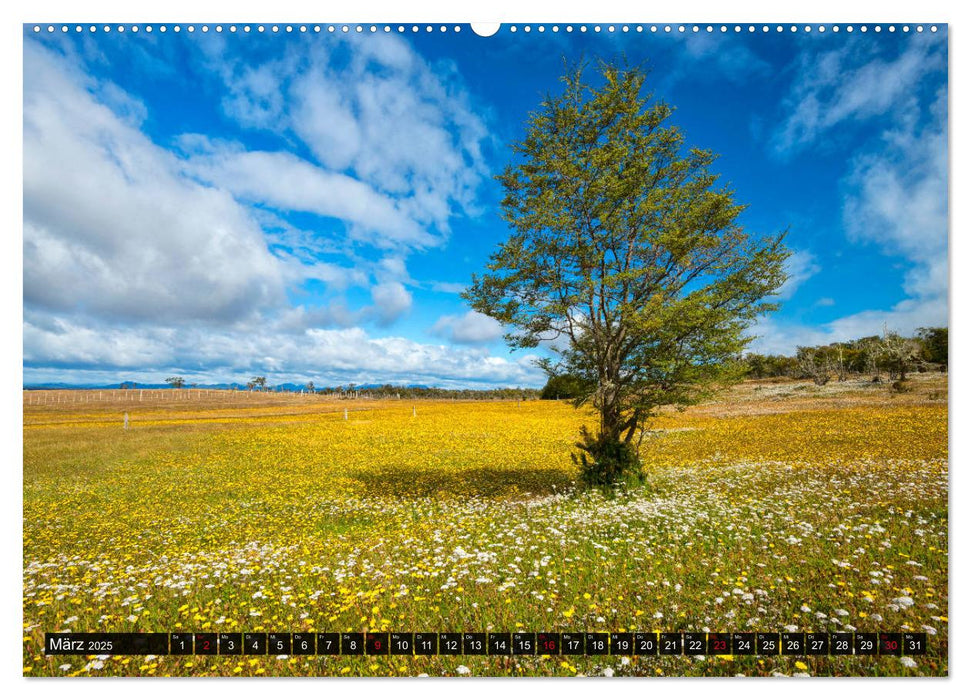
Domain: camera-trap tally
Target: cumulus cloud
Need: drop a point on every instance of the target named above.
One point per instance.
(391, 301)
(147, 261)
(57, 350)
(471, 328)
(286, 182)
(55, 342)
(341, 102)
(110, 225)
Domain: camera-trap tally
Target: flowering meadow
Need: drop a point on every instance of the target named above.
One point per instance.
(778, 507)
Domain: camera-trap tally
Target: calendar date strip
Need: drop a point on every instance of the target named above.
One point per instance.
(488, 644)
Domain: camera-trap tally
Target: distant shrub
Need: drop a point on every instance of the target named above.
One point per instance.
(564, 386)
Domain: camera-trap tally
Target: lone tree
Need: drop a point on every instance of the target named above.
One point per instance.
(175, 382)
(258, 383)
(626, 260)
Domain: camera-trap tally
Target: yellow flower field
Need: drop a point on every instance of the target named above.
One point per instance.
(805, 512)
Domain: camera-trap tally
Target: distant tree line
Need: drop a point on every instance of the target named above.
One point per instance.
(385, 391)
(389, 391)
(873, 357)
(890, 354)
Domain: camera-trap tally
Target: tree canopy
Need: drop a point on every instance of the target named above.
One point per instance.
(625, 259)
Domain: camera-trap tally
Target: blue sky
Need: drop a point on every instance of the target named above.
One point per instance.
(309, 206)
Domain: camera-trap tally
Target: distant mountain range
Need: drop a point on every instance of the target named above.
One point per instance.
(138, 385)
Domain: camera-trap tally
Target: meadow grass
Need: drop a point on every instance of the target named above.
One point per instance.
(772, 508)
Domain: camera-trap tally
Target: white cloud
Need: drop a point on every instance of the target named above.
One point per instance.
(333, 315)
(725, 54)
(110, 225)
(897, 198)
(895, 193)
(775, 337)
(58, 343)
(850, 84)
(448, 287)
(800, 266)
(374, 111)
(905, 317)
(147, 261)
(79, 352)
(286, 182)
(391, 301)
(471, 328)
(255, 96)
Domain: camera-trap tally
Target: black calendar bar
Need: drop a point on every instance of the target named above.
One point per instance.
(112, 644)
(491, 644)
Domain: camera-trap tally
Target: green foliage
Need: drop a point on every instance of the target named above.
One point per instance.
(890, 353)
(257, 383)
(898, 354)
(605, 461)
(390, 391)
(625, 255)
(934, 344)
(175, 382)
(764, 366)
(564, 386)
